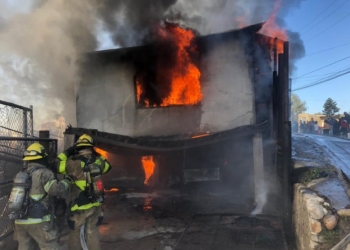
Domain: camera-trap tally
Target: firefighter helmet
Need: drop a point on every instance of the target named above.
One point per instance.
(35, 151)
(85, 141)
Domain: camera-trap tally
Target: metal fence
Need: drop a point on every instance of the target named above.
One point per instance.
(16, 134)
(15, 120)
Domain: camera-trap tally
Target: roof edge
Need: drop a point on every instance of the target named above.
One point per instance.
(256, 28)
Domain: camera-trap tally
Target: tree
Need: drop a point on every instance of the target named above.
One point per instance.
(330, 107)
(298, 107)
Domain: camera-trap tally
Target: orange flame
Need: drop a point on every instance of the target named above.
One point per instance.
(138, 91)
(112, 190)
(102, 152)
(199, 136)
(185, 86)
(148, 166)
(271, 29)
(183, 76)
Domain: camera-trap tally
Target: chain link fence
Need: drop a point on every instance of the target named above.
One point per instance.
(16, 134)
(15, 120)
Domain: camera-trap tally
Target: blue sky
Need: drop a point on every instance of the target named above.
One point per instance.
(318, 38)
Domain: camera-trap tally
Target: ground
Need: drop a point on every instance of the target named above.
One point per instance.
(157, 219)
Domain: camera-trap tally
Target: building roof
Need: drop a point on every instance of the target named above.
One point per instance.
(252, 29)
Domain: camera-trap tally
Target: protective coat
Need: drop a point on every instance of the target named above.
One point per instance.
(37, 231)
(89, 214)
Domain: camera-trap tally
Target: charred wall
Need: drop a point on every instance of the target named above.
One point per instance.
(106, 98)
(233, 158)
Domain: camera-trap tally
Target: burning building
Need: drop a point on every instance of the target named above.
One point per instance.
(181, 109)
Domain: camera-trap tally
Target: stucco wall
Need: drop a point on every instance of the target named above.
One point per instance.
(106, 97)
(227, 89)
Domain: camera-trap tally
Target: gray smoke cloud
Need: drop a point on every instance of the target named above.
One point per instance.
(129, 21)
(39, 48)
(41, 45)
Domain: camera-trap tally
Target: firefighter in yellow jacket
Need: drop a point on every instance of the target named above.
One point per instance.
(32, 209)
(87, 192)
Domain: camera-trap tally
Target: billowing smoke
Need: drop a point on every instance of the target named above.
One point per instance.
(130, 21)
(297, 49)
(39, 49)
(41, 44)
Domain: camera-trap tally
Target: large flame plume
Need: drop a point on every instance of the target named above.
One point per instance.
(272, 30)
(181, 73)
(148, 166)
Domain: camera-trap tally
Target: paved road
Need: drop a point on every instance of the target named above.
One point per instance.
(338, 149)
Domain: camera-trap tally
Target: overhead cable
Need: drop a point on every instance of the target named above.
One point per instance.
(322, 67)
(327, 79)
(314, 53)
(325, 17)
(320, 76)
(327, 8)
(328, 28)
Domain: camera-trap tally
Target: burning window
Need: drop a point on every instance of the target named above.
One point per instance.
(172, 79)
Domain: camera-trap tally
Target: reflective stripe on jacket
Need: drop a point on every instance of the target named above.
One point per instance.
(75, 166)
(43, 182)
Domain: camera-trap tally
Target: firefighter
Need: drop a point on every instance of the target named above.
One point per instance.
(87, 193)
(34, 224)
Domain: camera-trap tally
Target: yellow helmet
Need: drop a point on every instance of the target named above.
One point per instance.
(85, 141)
(35, 151)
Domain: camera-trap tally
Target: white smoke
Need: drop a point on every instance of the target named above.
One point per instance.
(39, 51)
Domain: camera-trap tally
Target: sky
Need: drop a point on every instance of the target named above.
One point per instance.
(329, 30)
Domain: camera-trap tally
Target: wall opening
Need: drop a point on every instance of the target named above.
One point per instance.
(170, 76)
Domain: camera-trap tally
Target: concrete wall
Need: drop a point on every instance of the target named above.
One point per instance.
(106, 98)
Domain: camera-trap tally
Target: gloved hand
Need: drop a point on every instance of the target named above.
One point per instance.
(70, 178)
(70, 151)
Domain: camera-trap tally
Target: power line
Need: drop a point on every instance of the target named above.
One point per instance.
(322, 68)
(321, 76)
(326, 17)
(327, 50)
(329, 28)
(327, 79)
(307, 78)
(327, 8)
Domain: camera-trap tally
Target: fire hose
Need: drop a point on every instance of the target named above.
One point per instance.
(83, 238)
